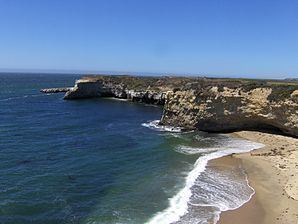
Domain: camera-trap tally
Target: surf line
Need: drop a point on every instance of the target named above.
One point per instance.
(178, 204)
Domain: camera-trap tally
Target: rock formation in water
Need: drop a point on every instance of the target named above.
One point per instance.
(56, 90)
(138, 89)
(213, 105)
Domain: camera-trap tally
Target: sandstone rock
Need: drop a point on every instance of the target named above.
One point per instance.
(86, 88)
(213, 105)
(227, 110)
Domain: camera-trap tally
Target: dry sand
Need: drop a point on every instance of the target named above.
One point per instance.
(273, 173)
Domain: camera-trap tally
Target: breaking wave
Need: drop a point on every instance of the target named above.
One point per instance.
(156, 126)
(208, 192)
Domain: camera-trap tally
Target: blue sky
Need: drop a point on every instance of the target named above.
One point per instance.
(255, 38)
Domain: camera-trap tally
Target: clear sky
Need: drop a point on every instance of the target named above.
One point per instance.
(249, 38)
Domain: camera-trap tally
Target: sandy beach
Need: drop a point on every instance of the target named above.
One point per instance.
(273, 173)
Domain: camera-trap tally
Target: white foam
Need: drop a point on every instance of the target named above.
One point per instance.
(118, 99)
(178, 205)
(220, 191)
(191, 151)
(156, 126)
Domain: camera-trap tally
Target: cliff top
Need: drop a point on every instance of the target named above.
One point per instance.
(280, 88)
(207, 104)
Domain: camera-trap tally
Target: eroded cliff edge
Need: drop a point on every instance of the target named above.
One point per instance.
(230, 107)
(213, 105)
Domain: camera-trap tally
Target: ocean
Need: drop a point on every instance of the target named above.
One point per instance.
(106, 161)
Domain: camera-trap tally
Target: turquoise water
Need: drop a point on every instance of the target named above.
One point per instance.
(87, 161)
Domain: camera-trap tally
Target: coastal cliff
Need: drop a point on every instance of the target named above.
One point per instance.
(213, 105)
(222, 108)
(148, 90)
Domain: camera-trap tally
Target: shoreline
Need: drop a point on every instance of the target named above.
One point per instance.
(273, 173)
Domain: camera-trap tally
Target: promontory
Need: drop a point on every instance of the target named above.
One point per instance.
(206, 104)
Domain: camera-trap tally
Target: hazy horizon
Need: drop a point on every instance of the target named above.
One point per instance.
(140, 73)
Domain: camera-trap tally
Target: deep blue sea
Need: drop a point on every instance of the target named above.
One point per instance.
(102, 161)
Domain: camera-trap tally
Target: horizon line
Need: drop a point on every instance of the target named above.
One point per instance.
(107, 72)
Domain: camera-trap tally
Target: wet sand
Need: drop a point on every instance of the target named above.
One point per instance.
(228, 163)
(273, 173)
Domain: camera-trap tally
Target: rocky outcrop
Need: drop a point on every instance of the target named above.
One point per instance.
(216, 108)
(213, 105)
(121, 88)
(86, 89)
(56, 90)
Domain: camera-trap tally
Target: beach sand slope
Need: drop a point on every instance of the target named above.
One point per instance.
(273, 173)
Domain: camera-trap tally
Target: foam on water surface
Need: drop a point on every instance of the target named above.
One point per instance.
(206, 192)
(156, 126)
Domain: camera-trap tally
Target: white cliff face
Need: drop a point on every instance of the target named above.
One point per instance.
(84, 89)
